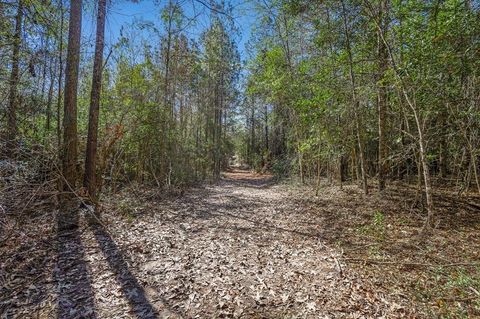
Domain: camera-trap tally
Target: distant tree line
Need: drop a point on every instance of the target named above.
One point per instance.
(367, 90)
(156, 111)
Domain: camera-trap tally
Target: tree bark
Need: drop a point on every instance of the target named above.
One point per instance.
(266, 129)
(14, 79)
(49, 99)
(89, 180)
(418, 121)
(252, 134)
(70, 138)
(426, 172)
(355, 102)
(382, 97)
(60, 76)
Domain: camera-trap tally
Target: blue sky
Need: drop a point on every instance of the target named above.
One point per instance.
(124, 12)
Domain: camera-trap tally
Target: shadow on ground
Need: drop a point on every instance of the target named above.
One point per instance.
(74, 289)
(131, 288)
(243, 178)
(74, 283)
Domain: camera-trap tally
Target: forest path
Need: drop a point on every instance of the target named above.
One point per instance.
(242, 248)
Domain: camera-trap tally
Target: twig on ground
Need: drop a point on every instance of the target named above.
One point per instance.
(339, 267)
(397, 263)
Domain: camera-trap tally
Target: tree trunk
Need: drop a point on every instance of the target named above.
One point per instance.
(167, 98)
(14, 79)
(89, 180)
(356, 103)
(60, 76)
(252, 134)
(319, 175)
(266, 129)
(426, 174)
(49, 98)
(418, 121)
(341, 177)
(382, 97)
(70, 138)
(475, 171)
(300, 166)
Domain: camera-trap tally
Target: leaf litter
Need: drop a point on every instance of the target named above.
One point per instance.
(242, 248)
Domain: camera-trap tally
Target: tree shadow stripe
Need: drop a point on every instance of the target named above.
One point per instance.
(75, 297)
(131, 288)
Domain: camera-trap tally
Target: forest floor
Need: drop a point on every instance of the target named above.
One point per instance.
(246, 247)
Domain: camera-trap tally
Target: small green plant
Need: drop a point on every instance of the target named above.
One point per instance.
(462, 280)
(126, 210)
(379, 220)
(452, 293)
(375, 251)
(376, 228)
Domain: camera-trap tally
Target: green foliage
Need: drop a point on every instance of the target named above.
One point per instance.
(300, 69)
(376, 228)
(125, 208)
(450, 291)
(281, 166)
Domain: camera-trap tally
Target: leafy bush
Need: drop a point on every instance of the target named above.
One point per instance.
(282, 167)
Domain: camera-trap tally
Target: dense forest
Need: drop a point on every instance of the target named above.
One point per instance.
(353, 123)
